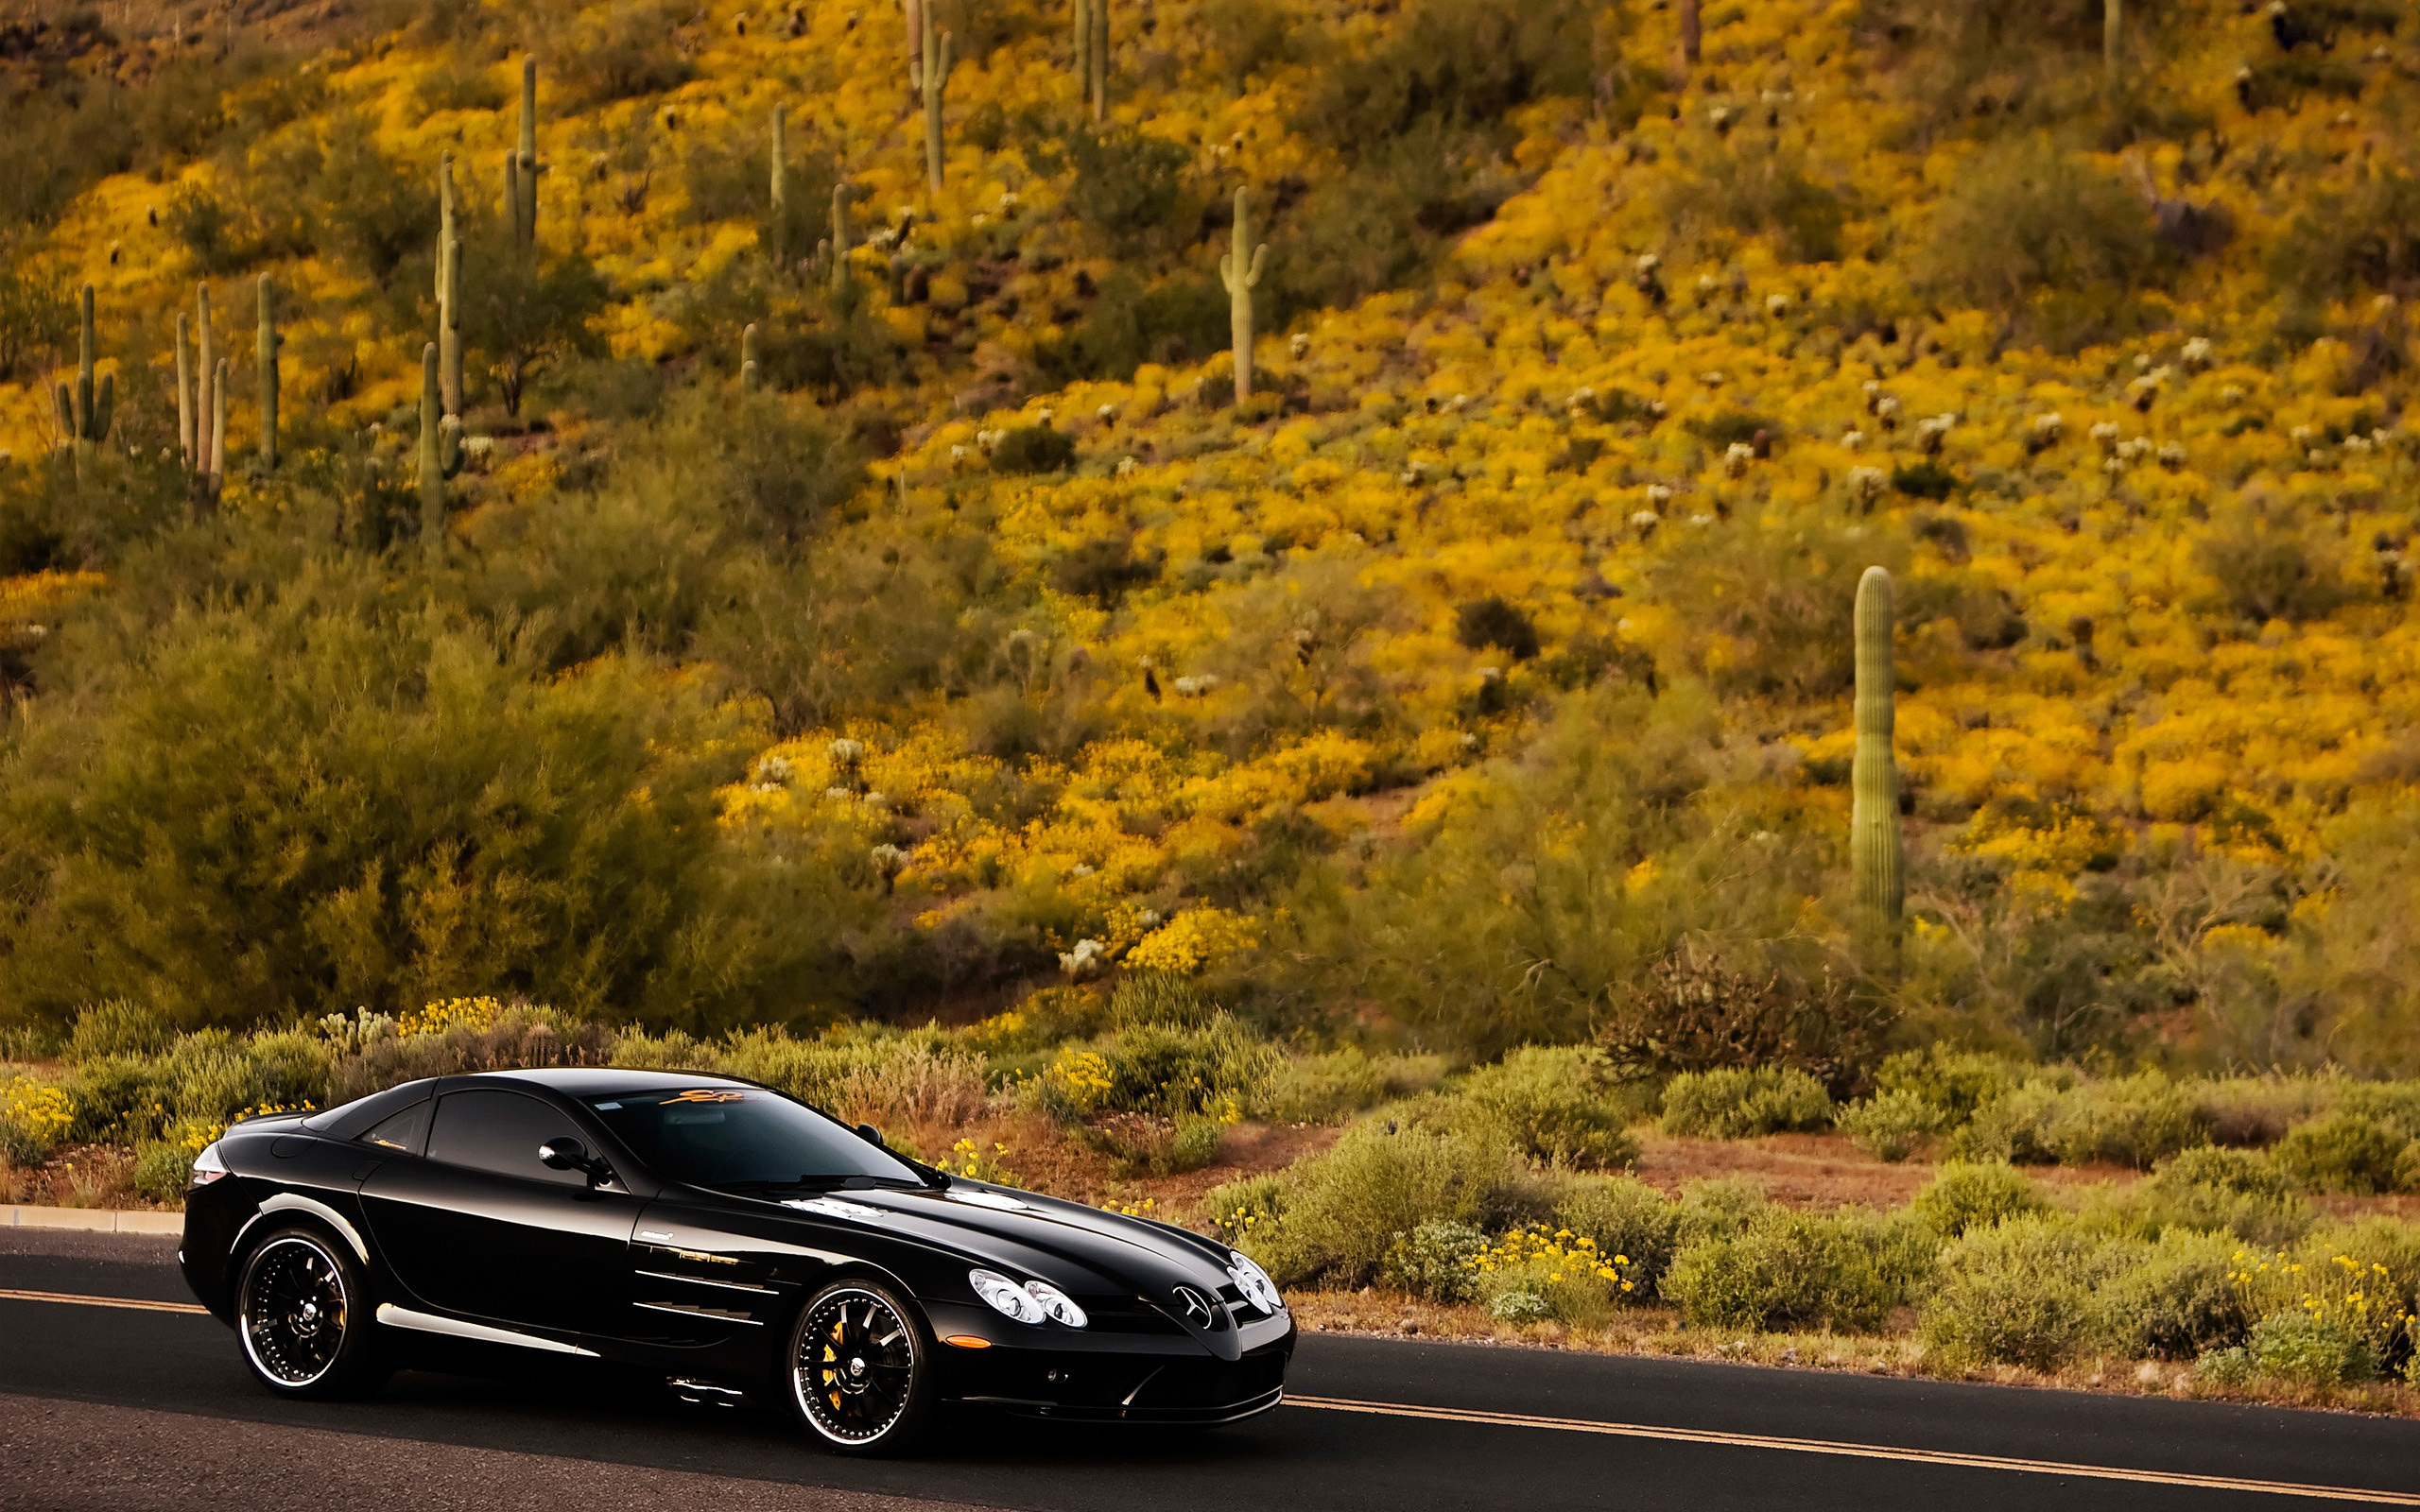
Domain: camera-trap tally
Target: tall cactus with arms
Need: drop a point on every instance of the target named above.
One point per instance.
(1874, 816)
(86, 409)
(441, 455)
(936, 65)
(1241, 274)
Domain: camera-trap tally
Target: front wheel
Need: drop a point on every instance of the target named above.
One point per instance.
(861, 1369)
(302, 1314)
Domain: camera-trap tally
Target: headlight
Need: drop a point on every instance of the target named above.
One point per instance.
(1029, 1303)
(1255, 1283)
(1058, 1304)
(208, 1167)
(1005, 1296)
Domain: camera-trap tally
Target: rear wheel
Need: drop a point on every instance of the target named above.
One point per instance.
(303, 1315)
(860, 1364)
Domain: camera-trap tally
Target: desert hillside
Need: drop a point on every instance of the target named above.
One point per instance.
(1490, 655)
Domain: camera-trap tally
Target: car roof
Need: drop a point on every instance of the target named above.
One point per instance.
(591, 1081)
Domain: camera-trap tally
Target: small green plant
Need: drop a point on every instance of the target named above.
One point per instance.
(1624, 1216)
(1555, 1104)
(2240, 1192)
(1437, 1261)
(1734, 1104)
(2343, 1152)
(2310, 1349)
(1966, 1196)
(1034, 449)
(1786, 1270)
(2014, 1292)
(1889, 1126)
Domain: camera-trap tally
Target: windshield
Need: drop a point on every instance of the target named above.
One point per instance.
(745, 1139)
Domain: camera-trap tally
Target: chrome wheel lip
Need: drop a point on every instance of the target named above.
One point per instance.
(854, 1383)
(332, 1281)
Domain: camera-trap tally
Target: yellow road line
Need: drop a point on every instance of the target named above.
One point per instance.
(136, 1303)
(1819, 1446)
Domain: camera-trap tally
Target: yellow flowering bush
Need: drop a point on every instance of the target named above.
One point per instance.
(33, 1117)
(1195, 938)
(450, 1013)
(1533, 1273)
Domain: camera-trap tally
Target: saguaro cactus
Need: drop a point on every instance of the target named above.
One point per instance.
(839, 245)
(2113, 41)
(781, 188)
(747, 356)
(85, 410)
(1097, 60)
(521, 168)
(184, 387)
(936, 65)
(218, 423)
(449, 290)
(265, 356)
(1241, 279)
(915, 16)
(206, 406)
(441, 455)
(1083, 57)
(1873, 815)
(1691, 34)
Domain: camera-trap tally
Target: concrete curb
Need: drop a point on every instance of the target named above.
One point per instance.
(93, 1220)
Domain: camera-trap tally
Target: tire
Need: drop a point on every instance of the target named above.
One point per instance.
(302, 1317)
(860, 1369)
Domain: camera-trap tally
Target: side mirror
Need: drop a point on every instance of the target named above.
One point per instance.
(872, 1136)
(571, 1155)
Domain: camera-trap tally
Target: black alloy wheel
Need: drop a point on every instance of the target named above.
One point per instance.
(302, 1317)
(860, 1368)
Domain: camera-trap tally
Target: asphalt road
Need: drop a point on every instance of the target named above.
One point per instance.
(104, 1405)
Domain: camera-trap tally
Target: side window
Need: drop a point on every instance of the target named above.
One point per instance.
(405, 1132)
(489, 1129)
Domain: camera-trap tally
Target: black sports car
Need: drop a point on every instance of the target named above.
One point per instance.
(721, 1233)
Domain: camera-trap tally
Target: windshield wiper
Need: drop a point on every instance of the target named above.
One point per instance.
(853, 1182)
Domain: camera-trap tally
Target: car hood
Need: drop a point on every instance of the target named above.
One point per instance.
(1085, 1250)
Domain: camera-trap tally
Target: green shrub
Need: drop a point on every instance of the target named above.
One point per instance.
(1435, 1260)
(1556, 1105)
(2343, 1152)
(2025, 224)
(1625, 1217)
(1341, 1213)
(2241, 1191)
(1521, 1304)
(1717, 1207)
(2176, 1300)
(162, 1171)
(2231, 1366)
(2016, 1293)
(1218, 1069)
(1963, 1196)
(1953, 1083)
(1034, 449)
(1889, 1126)
(119, 1027)
(1734, 1104)
(1160, 998)
(2136, 1121)
(2310, 1351)
(1332, 1086)
(1784, 1270)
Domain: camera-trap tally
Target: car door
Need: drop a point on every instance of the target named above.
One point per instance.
(478, 1225)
